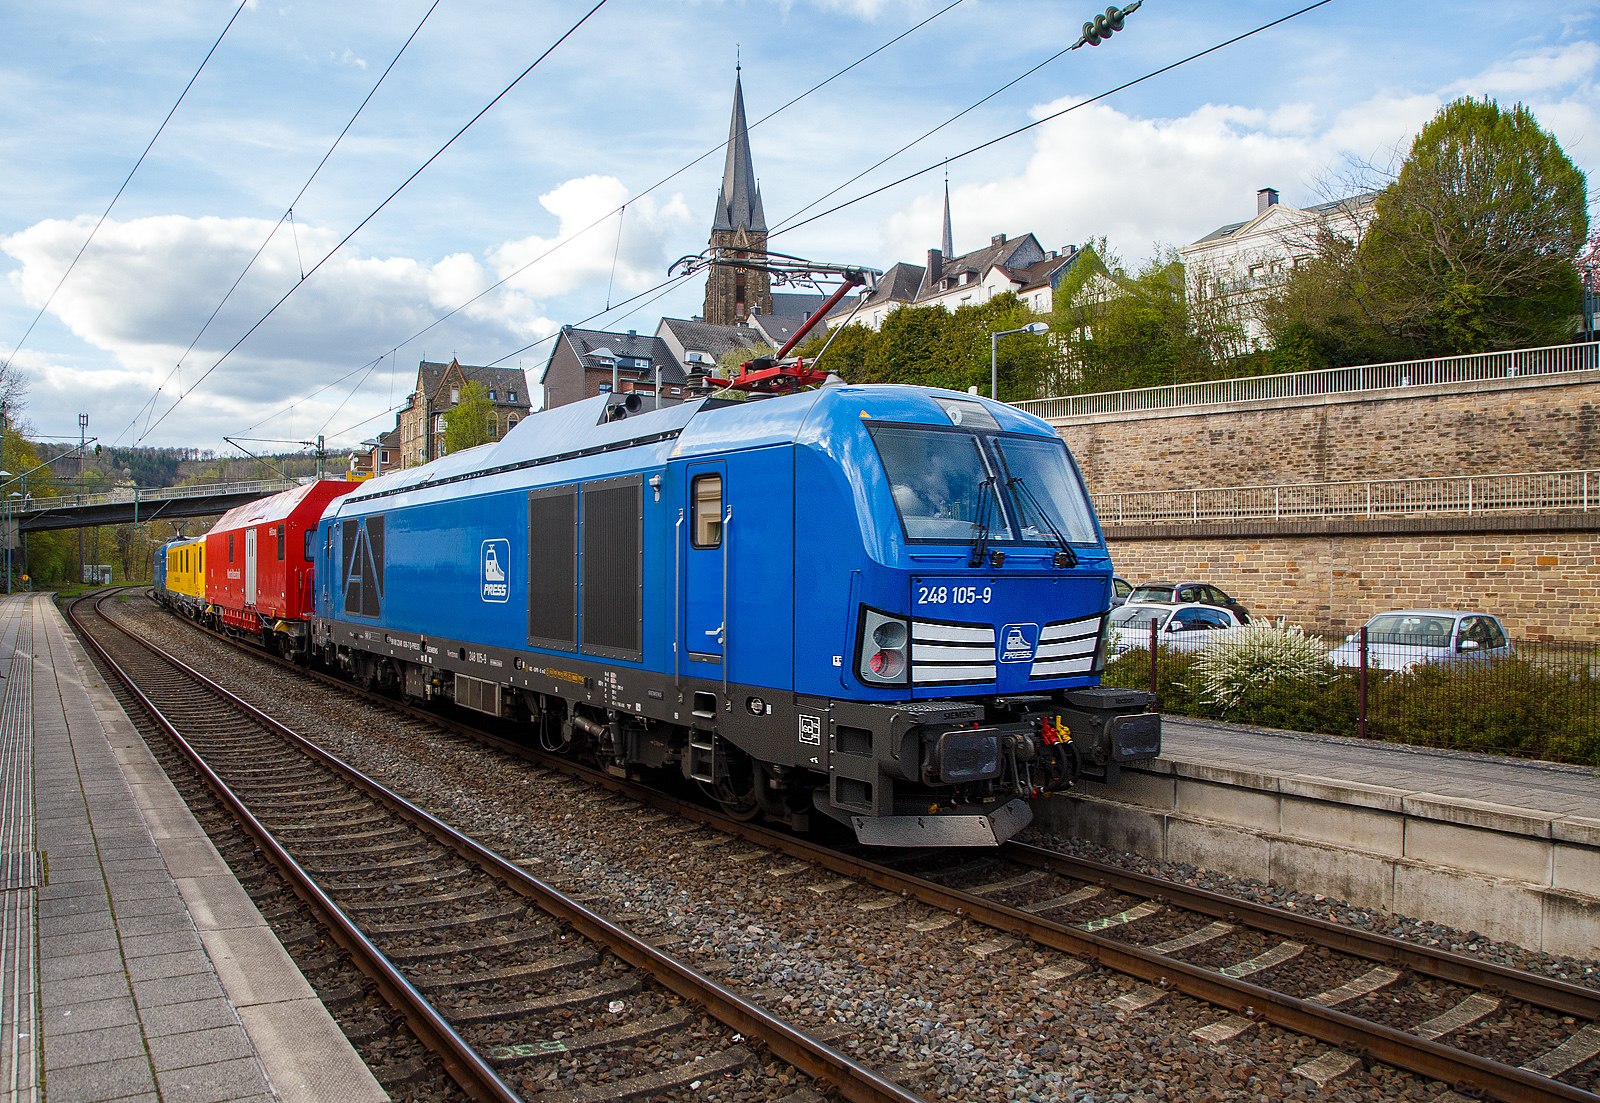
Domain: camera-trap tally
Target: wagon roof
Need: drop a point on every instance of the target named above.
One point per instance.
(281, 506)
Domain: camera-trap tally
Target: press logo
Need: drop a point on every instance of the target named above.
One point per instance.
(496, 562)
(1018, 643)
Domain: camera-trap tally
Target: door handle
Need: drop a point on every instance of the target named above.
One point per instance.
(717, 631)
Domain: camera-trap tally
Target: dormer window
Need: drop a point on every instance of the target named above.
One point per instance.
(491, 396)
(513, 396)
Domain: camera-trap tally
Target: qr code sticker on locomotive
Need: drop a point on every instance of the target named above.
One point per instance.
(811, 730)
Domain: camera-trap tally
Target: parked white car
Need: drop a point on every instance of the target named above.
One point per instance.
(1183, 627)
(1406, 638)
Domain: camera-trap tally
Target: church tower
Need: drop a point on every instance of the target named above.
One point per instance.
(733, 294)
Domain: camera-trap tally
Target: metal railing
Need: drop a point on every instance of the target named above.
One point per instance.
(1369, 377)
(123, 495)
(1525, 492)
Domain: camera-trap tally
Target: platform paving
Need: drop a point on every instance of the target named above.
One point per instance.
(1551, 788)
(133, 966)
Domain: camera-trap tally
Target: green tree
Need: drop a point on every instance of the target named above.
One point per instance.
(1472, 247)
(466, 424)
(1120, 332)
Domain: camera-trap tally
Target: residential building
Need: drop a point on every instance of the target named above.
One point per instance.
(1241, 263)
(439, 386)
(587, 362)
(377, 456)
(1019, 265)
(697, 346)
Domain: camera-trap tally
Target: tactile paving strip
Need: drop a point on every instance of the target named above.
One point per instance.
(19, 860)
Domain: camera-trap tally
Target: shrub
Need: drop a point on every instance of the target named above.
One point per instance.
(1257, 657)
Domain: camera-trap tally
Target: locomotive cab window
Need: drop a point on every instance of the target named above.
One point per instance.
(706, 495)
(311, 536)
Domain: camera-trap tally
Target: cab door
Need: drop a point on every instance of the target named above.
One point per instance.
(704, 548)
(249, 567)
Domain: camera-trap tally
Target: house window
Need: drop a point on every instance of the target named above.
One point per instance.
(438, 423)
(511, 423)
(383, 456)
(513, 396)
(455, 395)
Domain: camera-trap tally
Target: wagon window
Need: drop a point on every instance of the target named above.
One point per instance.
(707, 499)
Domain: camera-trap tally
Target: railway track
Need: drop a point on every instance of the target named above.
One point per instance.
(1372, 997)
(520, 989)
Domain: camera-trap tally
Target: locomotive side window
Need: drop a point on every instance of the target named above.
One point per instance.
(706, 495)
(230, 547)
(281, 527)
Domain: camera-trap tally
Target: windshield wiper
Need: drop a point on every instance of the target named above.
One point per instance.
(1064, 556)
(987, 495)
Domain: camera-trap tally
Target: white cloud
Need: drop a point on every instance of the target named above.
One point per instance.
(1143, 181)
(578, 258)
(145, 286)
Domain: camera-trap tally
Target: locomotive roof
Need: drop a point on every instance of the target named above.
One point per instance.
(700, 427)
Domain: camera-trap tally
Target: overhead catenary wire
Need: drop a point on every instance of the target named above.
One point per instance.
(288, 214)
(1048, 118)
(126, 180)
(570, 31)
(393, 350)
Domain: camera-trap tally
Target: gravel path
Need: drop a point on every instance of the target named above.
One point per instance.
(954, 1012)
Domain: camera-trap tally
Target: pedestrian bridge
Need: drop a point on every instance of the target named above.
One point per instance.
(130, 505)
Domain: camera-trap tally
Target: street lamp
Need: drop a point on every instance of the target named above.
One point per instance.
(994, 353)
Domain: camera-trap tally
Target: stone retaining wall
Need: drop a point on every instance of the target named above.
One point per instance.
(1543, 584)
(1516, 875)
(1528, 423)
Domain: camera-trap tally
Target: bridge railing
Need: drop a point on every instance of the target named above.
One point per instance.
(1369, 377)
(1525, 492)
(123, 495)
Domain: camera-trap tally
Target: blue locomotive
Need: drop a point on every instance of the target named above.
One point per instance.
(883, 604)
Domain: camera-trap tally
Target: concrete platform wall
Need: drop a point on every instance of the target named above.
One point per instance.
(1512, 874)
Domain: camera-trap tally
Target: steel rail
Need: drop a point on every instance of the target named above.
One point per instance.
(1456, 1067)
(1547, 992)
(853, 1080)
(465, 1066)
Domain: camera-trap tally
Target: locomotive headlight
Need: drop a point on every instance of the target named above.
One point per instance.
(1102, 645)
(882, 655)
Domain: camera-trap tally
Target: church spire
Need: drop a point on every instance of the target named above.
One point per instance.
(947, 243)
(739, 202)
(734, 294)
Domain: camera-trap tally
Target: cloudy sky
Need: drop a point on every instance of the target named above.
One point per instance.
(635, 95)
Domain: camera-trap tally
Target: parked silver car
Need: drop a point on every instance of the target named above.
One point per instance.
(1182, 627)
(1406, 638)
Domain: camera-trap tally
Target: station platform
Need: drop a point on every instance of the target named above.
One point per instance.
(133, 966)
(1506, 847)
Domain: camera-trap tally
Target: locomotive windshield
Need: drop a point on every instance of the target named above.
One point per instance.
(1041, 480)
(941, 479)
